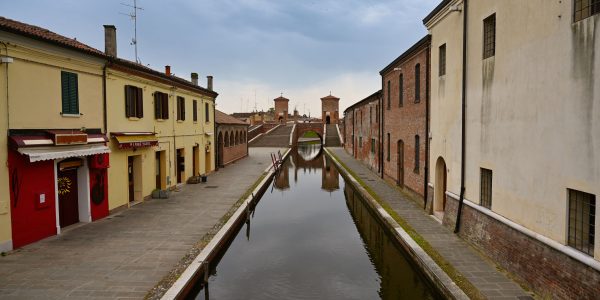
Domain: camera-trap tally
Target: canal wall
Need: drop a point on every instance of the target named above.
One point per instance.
(200, 267)
(422, 260)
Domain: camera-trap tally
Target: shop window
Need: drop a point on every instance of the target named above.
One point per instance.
(134, 102)
(582, 219)
(161, 106)
(70, 93)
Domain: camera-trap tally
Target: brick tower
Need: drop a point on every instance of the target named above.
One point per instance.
(281, 109)
(330, 107)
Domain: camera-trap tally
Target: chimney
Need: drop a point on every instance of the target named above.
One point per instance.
(110, 40)
(168, 70)
(209, 80)
(195, 78)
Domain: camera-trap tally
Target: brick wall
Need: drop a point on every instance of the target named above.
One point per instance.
(404, 122)
(366, 125)
(231, 154)
(331, 106)
(281, 109)
(547, 271)
(237, 150)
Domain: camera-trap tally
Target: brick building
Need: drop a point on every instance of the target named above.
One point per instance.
(361, 129)
(281, 109)
(330, 106)
(405, 99)
(232, 142)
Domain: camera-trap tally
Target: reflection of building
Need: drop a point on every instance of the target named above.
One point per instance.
(330, 177)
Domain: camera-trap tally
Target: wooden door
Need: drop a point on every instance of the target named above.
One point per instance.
(158, 171)
(207, 160)
(130, 178)
(400, 168)
(180, 165)
(68, 206)
(195, 156)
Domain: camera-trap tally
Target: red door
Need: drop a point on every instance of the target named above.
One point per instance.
(68, 208)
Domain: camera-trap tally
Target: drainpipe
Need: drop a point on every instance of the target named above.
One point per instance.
(464, 104)
(104, 98)
(7, 94)
(427, 96)
(382, 134)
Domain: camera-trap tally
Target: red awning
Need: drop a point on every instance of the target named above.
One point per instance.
(128, 140)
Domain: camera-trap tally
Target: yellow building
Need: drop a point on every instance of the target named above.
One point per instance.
(161, 128)
(52, 132)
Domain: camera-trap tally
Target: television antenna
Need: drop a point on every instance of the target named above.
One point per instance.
(133, 16)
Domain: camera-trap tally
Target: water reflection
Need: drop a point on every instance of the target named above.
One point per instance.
(312, 240)
(308, 159)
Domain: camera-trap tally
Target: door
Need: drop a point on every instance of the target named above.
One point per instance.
(130, 178)
(220, 150)
(328, 119)
(207, 160)
(158, 170)
(400, 168)
(68, 206)
(180, 165)
(195, 164)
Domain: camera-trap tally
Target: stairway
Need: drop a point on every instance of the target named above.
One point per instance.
(332, 139)
(280, 137)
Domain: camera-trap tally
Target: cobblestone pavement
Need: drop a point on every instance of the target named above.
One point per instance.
(480, 272)
(126, 254)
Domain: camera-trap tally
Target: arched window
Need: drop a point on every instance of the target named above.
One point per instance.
(401, 91)
(226, 139)
(244, 138)
(236, 139)
(417, 83)
(389, 101)
(417, 154)
(231, 140)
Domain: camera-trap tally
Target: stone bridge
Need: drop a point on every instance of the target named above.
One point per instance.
(302, 128)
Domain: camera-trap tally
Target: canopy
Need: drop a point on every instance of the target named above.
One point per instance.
(60, 152)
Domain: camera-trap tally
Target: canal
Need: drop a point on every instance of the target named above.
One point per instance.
(312, 237)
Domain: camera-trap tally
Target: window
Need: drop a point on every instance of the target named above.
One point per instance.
(485, 190)
(161, 106)
(401, 91)
(360, 142)
(195, 110)
(489, 36)
(388, 95)
(370, 114)
(206, 112)
(388, 146)
(180, 108)
(442, 62)
(134, 103)
(372, 145)
(582, 217)
(226, 139)
(377, 113)
(70, 93)
(417, 154)
(417, 83)
(585, 8)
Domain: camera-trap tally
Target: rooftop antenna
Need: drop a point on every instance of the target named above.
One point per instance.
(133, 16)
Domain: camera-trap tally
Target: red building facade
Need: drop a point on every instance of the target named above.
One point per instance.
(405, 93)
(361, 129)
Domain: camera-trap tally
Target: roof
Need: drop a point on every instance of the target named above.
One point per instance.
(223, 118)
(46, 35)
(436, 10)
(330, 97)
(425, 41)
(113, 61)
(364, 101)
(281, 98)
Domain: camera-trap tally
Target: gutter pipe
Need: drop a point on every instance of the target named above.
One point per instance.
(463, 136)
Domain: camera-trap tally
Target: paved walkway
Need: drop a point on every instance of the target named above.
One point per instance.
(480, 272)
(126, 254)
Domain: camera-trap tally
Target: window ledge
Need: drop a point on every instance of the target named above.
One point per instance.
(133, 118)
(71, 115)
(161, 120)
(180, 121)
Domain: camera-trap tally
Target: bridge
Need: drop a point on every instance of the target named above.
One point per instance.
(287, 135)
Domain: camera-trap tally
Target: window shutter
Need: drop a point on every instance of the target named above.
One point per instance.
(165, 105)
(183, 109)
(139, 102)
(195, 110)
(127, 102)
(64, 79)
(157, 106)
(74, 95)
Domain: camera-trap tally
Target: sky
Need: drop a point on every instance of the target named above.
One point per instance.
(256, 50)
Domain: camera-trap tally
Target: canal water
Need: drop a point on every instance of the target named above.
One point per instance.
(311, 237)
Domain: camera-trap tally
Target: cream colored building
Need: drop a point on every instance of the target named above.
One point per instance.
(161, 143)
(532, 134)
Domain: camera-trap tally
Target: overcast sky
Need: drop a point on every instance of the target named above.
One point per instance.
(255, 49)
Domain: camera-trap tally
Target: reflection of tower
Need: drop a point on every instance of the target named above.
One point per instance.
(282, 179)
(281, 109)
(330, 180)
(330, 108)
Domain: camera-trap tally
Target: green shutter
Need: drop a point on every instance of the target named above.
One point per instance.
(70, 94)
(127, 102)
(139, 102)
(165, 106)
(157, 106)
